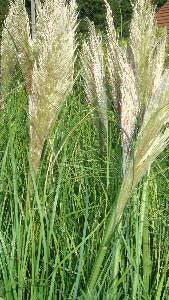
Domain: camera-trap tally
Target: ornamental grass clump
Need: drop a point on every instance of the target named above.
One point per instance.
(140, 92)
(46, 60)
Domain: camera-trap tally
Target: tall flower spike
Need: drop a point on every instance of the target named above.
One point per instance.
(53, 71)
(129, 107)
(94, 76)
(123, 85)
(148, 50)
(47, 62)
(154, 133)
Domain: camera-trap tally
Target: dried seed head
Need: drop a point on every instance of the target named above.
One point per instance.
(148, 50)
(47, 62)
(53, 71)
(129, 107)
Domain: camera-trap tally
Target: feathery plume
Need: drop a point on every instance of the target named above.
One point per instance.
(129, 107)
(123, 85)
(148, 50)
(47, 62)
(53, 70)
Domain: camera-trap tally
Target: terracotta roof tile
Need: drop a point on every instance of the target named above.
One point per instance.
(162, 16)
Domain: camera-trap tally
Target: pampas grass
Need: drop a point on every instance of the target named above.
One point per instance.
(53, 70)
(46, 60)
